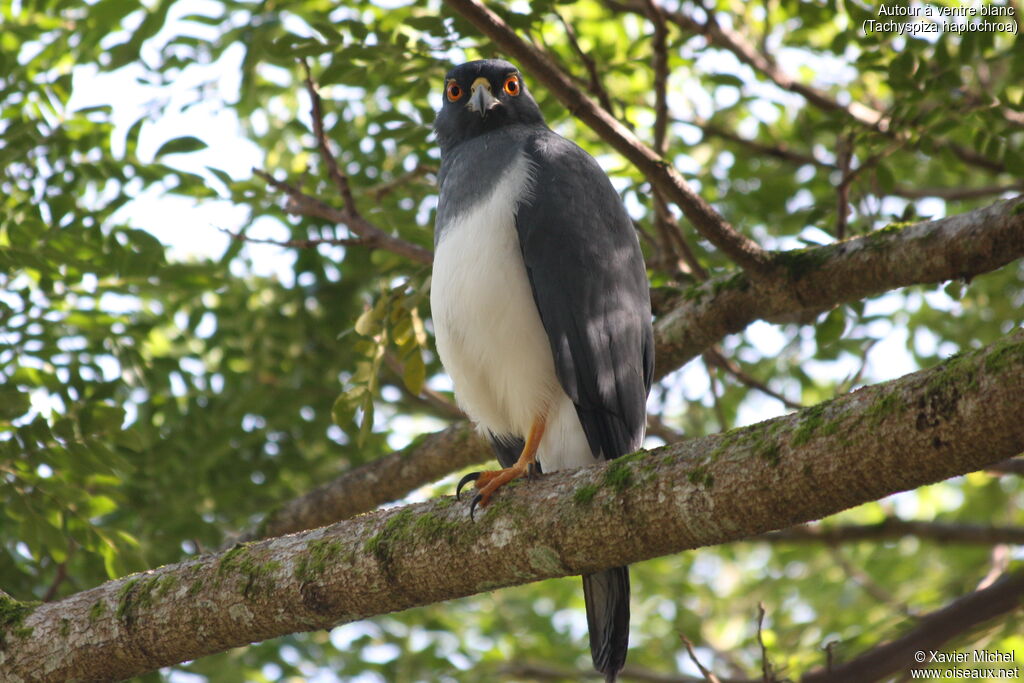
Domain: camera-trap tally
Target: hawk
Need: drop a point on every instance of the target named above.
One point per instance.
(540, 303)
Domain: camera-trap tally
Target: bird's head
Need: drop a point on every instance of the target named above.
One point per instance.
(482, 96)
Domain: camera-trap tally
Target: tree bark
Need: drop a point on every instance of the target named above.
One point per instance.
(363, 488)
(819, 278)
(955, 418)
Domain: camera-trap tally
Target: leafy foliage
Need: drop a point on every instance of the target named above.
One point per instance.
(151, 404)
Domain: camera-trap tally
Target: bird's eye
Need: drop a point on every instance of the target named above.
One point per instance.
(453, 91)
(512, 86)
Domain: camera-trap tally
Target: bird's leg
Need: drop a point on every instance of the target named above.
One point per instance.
(490, 481)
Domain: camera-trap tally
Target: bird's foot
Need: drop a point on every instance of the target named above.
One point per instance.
(487, 483)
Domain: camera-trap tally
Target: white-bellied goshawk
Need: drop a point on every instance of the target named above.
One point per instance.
(540, 303)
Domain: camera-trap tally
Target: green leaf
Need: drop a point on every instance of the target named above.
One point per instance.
(903, 68)
(831, 328)
(368, 323)
(13, 403)
(182, 145)
(414, 373)
(885, 177)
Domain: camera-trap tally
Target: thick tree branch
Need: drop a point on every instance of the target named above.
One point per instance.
(1008, 466)
(370, 236)
(931, 252)
(728, 39)
(932, 630)
(957, 193)
(925, 427)
(741, 249)
(869, 117)
(893, 528)
(819, 278)
(386, 479)
(959, 246)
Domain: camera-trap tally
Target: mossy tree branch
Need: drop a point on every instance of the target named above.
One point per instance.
(819, 278)
(955, 418)
(363, 488)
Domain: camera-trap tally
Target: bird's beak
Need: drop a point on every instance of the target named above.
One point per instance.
(481, 100)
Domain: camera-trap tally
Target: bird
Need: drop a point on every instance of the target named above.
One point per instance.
(540, 304)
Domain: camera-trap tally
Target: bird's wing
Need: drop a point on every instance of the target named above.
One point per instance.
(590, 286)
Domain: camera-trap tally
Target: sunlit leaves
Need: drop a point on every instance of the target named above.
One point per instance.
(149, 405)
(181, 145)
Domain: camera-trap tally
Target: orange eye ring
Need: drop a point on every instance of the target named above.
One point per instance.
(512, 86)
(453, 91)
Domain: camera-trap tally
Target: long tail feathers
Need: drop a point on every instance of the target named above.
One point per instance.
(606, 594)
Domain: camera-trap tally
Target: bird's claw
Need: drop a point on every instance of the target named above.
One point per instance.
(472, 476)
(472, 506)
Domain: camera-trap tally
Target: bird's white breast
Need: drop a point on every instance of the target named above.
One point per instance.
(489, 333)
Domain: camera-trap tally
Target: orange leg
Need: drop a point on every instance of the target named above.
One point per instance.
(490, 481)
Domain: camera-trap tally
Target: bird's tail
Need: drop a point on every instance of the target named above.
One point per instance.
(606, 594)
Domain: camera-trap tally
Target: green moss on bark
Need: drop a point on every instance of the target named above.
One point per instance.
(799, 263)
(319, 554)
(584, 494)
(883, 407)
(618, 475)
(12, 617)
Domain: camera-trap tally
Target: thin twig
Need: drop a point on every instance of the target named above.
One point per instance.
(667, 226)
(956, 193)
(657, 427)
(709, 222)
(1000, 563)
(894, 528)
(829, 649)
(713, 381)
(867, 116)
(659, 49)
(766, 665)
(295, 244)
(777, 151)
(675, 243)
(595, 84)
(708, 675)
(58, 579)
(438, 404)
(870, 586)
(301, 204)
(844, 154)
(718, 359)
(851, 381)
(378, 192)
(339, 179)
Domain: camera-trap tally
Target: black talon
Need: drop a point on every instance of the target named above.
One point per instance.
(472, 506)
(472, 476)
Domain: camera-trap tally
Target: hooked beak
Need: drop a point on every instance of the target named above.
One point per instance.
(481, 100)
